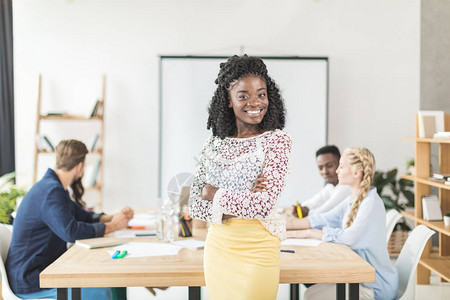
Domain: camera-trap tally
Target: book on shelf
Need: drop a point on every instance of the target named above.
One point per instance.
(57, 114)
(91, 173)
(430, 122)
(98, 109)
(94, 142)
(95, 173)
(99, 242)
(44, 144)
(431, 209)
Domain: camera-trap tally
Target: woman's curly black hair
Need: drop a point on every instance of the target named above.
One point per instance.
(221, 118)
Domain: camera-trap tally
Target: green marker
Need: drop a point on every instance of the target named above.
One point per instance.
(122, 254)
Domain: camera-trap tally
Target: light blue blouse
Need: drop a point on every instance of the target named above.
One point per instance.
(366, 236)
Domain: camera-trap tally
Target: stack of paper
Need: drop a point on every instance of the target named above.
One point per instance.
(442, 135)
(438, 176)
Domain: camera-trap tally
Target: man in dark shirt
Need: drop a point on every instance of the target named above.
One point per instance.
(48, 219)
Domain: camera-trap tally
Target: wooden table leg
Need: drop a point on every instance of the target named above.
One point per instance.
(195, 293)
(295, 294)
(340, 291)
(61, 294)
(354, 291)
(76, 293)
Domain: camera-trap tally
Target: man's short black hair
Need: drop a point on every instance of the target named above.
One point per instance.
(329, 149)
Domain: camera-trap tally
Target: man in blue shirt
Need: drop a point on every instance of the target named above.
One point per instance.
(48, 219)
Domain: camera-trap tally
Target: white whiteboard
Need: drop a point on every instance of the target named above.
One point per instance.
(186, 87)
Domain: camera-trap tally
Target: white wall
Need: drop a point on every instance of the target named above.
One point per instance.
(373, 48)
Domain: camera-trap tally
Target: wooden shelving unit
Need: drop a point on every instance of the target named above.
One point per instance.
(66, 117)
(436, 262)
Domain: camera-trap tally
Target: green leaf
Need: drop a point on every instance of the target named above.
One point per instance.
(410, 196)
(8, 197)
(388, 202)
(7, 179)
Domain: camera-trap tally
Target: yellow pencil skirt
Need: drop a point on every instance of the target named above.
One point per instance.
(242, 261)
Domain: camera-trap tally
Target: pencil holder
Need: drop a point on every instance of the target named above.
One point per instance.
(185, 226)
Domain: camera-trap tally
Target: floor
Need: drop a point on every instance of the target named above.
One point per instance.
(435, 291)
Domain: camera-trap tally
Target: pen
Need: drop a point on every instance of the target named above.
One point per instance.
(114, 256)
(136, 227)
(299, 211)
(122, 254)
(287, 251)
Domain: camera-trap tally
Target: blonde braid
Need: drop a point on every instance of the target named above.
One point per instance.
(360, 159)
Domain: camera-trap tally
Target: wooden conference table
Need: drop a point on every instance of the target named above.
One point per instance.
(81, 267)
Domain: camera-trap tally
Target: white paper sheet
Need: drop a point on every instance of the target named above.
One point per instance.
(302, 242)
(136, 249)
(132, 233)
(190, 243)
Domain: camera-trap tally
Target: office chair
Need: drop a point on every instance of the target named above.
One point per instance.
(5, 241)
(392, 217)
(408, 259)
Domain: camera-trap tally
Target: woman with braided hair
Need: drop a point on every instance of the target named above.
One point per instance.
(359, 222)
(238, 182)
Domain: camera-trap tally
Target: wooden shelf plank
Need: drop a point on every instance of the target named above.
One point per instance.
(436, 225)
(70, 118)
(97, 152)
(438, 264)
(437, 183)
(426, 140)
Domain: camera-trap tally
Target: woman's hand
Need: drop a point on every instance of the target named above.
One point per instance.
(305, 234)
(260, 184)
(304, 209)
(208, 192)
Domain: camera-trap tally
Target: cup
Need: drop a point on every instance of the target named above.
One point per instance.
(447, 220)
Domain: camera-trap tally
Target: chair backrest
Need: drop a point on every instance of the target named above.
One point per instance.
(408, 259)
(392, 217)
(5, 240)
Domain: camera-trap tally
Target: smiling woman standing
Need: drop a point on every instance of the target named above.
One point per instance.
(238, 182)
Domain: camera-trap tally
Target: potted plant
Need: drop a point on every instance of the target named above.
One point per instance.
(410, 167)
(447, 219)
(391, 190)
(9, 193)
